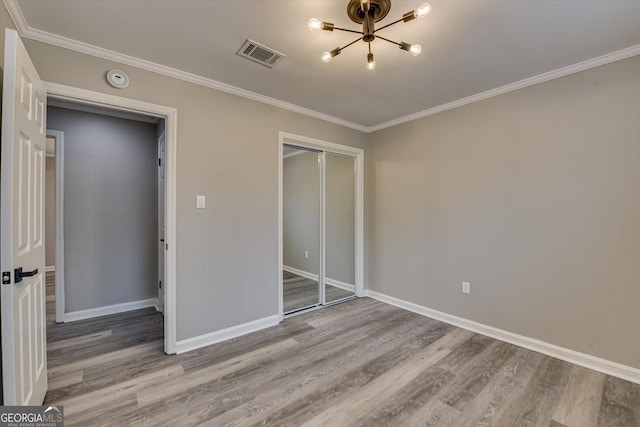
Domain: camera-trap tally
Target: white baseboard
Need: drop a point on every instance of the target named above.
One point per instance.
(156, 304)
(109, 309)
(300, 272)
(342, 285)
(189, 344)
(582, 359)
(50, 268)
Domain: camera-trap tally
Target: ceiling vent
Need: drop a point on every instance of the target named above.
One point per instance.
(260, 53)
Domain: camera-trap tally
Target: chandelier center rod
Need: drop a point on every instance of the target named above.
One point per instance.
(379, 9)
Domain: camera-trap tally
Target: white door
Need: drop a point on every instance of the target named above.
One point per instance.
(24, 351)
(161, 243)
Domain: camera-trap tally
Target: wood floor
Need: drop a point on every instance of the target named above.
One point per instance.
(359, 363)
(300, 292)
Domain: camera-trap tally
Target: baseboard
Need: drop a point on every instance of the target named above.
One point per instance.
(300, 272)
(109, 309)
(50, 268)
(189, 344)
(582, 359)
(338, 284)
(156, 304)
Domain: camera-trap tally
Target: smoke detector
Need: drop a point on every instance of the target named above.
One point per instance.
(260, 53)
(117, 79)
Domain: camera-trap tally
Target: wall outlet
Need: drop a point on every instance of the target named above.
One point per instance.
(306, 254)
(200, 202)
(466, 287)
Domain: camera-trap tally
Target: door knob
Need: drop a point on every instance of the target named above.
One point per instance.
(20, 274)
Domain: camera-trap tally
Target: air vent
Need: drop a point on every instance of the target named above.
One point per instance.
(260, 53)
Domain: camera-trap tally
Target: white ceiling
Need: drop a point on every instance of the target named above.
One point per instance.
(468, 47)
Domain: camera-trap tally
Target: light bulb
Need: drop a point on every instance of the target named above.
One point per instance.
(314, 24)
(371, 63)
(415, 49)
(422, 10)
(326, 57)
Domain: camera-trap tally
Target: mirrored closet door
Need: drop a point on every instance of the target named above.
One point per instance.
(340, 227)
(301, 216)
(319, 228)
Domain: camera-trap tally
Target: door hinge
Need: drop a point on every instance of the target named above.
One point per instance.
(159, 162)
(160, 284)
(6, 277)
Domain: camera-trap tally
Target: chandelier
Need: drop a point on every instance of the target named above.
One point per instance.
(367, 13)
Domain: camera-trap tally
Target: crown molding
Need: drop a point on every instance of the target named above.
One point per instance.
(540, 78)
(74, 45)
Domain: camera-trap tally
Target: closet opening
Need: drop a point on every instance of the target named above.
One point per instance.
(320, 233)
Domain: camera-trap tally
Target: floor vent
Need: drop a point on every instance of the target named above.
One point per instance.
(260, 53)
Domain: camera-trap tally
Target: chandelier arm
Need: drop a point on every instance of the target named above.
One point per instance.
(388, 25)
(347, 30)
(347, 45)
(390, 41)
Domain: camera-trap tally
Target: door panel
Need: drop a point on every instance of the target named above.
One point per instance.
(301, 234)
(40, 341)
(39, 112)
(25, 382)
(340, 227)
(26, 91)
(24, 363)
(37, 193)
(22, 216)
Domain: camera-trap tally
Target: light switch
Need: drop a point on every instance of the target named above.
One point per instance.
(200, 202)
(466, 287)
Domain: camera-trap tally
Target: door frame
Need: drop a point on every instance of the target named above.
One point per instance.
(330, 147)
(58, 136)
(161, 255)
(87, 97)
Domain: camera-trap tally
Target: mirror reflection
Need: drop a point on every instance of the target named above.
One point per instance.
(301, 228)
(340, 231)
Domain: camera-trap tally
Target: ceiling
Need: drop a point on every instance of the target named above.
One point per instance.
(468, 47)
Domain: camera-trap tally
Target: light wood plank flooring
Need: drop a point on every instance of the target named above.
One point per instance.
(360, 363)
(300, 292)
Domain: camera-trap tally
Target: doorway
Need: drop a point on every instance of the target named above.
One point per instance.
(320, 223)
(107, 266)
(108, 188)
(163, 247)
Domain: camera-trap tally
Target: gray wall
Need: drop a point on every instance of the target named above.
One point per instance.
(50, 213)
(110, 208)
(533, 197)
(227, 253)
(340, 200)
(301, 212)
